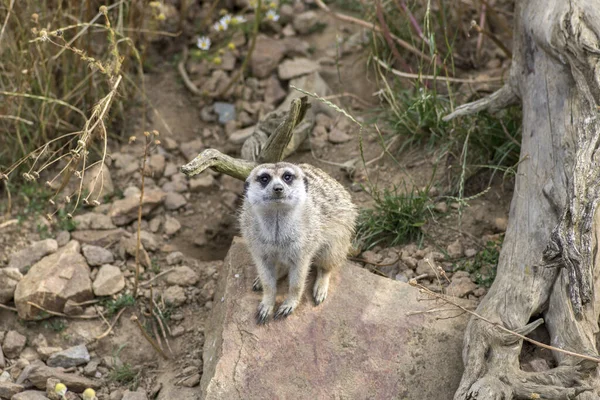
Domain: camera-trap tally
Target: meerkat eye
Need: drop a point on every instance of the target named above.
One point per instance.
(288, 177)
(264, 178)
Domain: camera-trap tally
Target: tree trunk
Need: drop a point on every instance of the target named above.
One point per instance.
(549, 262)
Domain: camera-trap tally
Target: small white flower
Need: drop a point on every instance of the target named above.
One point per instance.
(220, 26)
(226, 18)
(272, 15)
(203, 43)
(238, 19)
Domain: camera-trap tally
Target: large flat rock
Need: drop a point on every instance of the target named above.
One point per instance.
(359, 344)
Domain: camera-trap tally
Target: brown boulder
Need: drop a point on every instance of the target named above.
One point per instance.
(266, 56)
(360, 343)
(123, 211)
(52, 281)
(99, 238)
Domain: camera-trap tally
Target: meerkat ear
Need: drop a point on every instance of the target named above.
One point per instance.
(305, 183)
(246, 184)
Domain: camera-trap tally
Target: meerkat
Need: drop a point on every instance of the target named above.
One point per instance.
(293, 216)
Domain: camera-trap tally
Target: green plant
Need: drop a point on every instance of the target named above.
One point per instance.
(396, 218)
(123, 373)
(483, 266)
(113, 306)
(55, 324)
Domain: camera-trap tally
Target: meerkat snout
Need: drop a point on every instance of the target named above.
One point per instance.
(292, 216)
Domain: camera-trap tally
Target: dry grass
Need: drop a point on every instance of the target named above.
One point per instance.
(67, 73)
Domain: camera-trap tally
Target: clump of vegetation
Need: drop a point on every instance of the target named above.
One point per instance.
(113, 306)
(483, 266)
(396, 218)
(55, 324)
(124, 374)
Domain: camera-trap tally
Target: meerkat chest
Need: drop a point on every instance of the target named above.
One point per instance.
(280, 228)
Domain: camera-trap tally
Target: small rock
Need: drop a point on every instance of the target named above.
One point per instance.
(177, 331)
(13, 344)
(305, 22)
(156, 165)
(8, 390)
(63, 238)
(480, 292)
(9, 278)
(240, 136)
(96, 255)
(40, 374)
(274, 93)
(170, 170)
(203, 184)
(426, 266)
(132, 191)
(410, 262)
(47, 351)
(52, 281)
(71, 357)
(191, 381)
(110, 280)
(288, 31)
(116, 395)
(30, 395)
(402, 277)
(191, 149)
(99, 238)
(174, 201)
(455, 249)
(98, 182)
(129, 395)
(461, 285)
(225, 111)
(266, 56)
(183, 276)
(25, 258)
(175, 186)
(337, 136)
(149, 241)
(207, 113)
(296, 67)
(371, 257)
(154, 224)
(500, 224)
(172, 225)
(441, 207)
(174, 295)
(470, 253)
(91, 368)
(92, 220)
(175, 257)
(128, 246)
(123, 211)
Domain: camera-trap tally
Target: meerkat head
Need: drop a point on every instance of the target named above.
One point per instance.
(281, 185)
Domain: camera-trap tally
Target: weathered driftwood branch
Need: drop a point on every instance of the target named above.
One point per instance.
(500, 99)
(272, 152)
(549, 261)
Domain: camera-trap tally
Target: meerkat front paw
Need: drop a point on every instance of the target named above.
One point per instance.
(257, 285)
(286, 309)
(263, 313)
(320, 291)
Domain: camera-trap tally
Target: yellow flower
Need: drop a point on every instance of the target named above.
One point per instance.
(217, 60)
(60, 389)
(89, 394)
(221, 51)
(231, 46)
(273, 4)
(161, 17)
(154, 4)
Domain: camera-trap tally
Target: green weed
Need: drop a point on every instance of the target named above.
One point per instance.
(397, 218)
(113, 306)
(483, 266)
(55, 324)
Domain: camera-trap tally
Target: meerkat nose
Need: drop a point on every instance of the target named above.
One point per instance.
(278, 187)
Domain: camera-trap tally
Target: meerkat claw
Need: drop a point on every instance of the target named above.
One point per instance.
(319, 295)
(257, 285)
(284, 310)
(262, 314)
